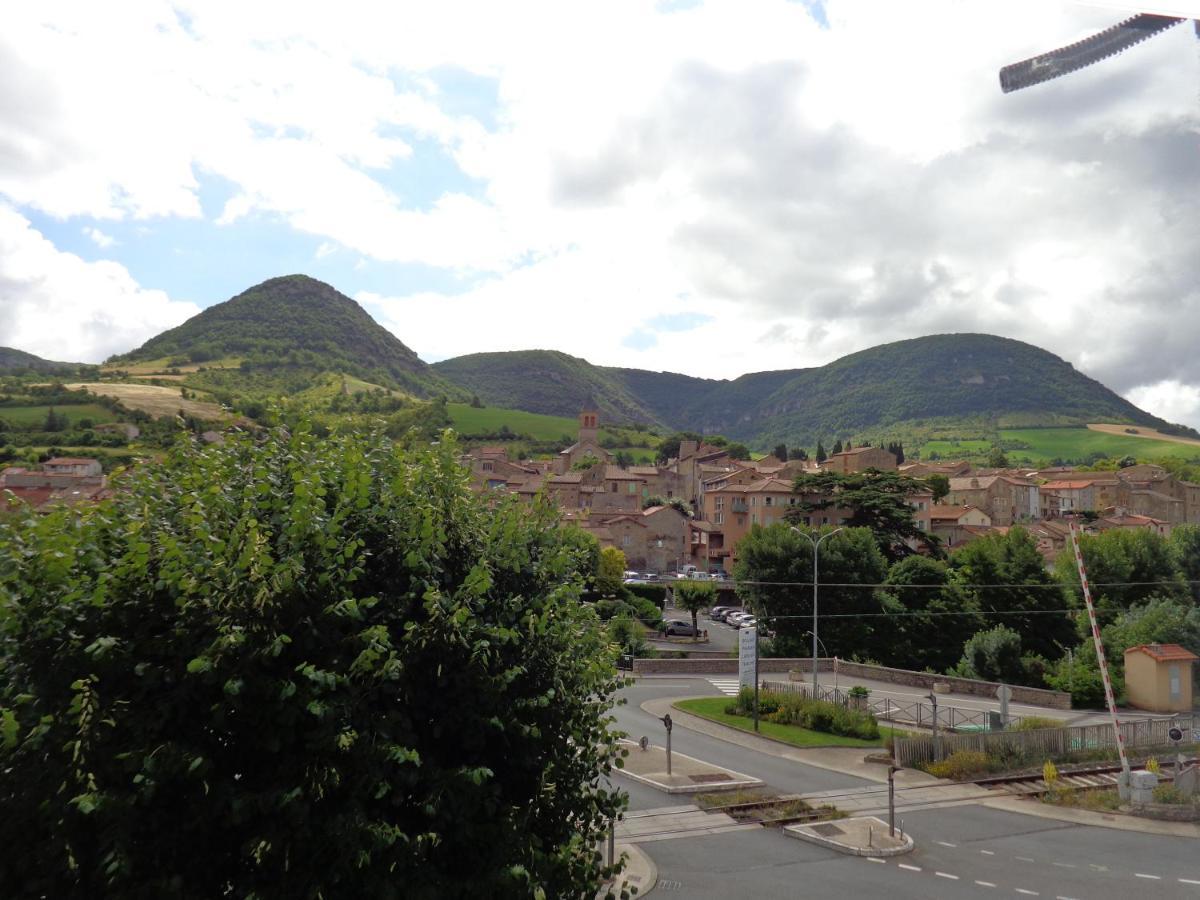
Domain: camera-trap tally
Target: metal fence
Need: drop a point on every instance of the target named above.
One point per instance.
(915, 712)
(1044, 743)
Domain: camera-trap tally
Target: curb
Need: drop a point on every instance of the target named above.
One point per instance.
(640, 865)
(799, 832)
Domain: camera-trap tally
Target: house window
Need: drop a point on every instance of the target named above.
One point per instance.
(632, 487)
(718, 503)
(719, 519)
(1173, 671)
(488, 467)
(753, 500)
(767, 501)
(753, 518)
(625, 540)
(824, 520)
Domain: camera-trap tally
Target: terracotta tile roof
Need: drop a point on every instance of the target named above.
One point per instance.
(1066, 485)
(704, 525)
(644, 470)
(972, 482)
(70, 461)
(1163, 652)
(616, 473)
(568, 478)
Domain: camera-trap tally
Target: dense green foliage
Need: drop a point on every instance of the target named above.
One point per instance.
(291, 323)
(18, 362)
(992, 655)
(941, 377)
(291, 667)
(546, 381)
(876, 500)
(774, 574)
(817, 715)
(930, 618)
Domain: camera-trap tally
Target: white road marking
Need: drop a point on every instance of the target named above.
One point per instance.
(985, 883)
(1024, 859)
(1188, 881)
(945, 843)
(910, 868)
(988, 852)
(1061, 897)
(882, 862)
(1030, 893)
(726, 686)
(946, 875)
(1065, 865)
(1151, 877)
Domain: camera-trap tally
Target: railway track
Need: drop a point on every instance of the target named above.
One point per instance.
(1088, 778)
(771, 812)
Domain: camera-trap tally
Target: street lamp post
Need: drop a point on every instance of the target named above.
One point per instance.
(816, 543)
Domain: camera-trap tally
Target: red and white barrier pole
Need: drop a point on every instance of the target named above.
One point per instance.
(1108, 691)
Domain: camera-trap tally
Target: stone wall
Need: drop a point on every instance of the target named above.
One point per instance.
(1027, 695)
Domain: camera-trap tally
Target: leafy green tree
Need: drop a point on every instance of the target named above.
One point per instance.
(54, 421)
(1158, 620)
(1006, 577)
(623, 459)
(821, 455)
(931, 616)
(676, 503)
(774, 571)
(738, 451)
(837, 446)
(610, 575)
(798, 453)
(1125, 566)
(996, 458)
(668, 448)
(291, 667)
(876, 500)
(939, 484)
(781, 452)
(1184, 546)
(694, 596)
(585, 550)
(993, 655)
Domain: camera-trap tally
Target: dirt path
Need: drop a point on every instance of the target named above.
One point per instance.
(1144, 432)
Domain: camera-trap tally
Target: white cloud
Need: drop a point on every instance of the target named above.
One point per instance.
(814, 191)
(58, 306)
(98, 237)
(1169, 400)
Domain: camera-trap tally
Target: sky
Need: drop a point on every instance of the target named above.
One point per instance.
(711, 188)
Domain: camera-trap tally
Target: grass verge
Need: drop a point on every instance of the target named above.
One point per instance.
(713, 709)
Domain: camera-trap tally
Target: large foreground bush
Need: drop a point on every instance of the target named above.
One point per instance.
(297, 668)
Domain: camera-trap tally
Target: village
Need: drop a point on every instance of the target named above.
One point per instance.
(694, 510)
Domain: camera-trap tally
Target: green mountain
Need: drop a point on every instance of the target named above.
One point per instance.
(13, 361)
(290, 326)
(941, 378)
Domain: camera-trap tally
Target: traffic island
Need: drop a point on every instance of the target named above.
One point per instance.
(859, 836)
(688, 775)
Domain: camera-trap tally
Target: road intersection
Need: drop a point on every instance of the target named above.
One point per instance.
(964, 849)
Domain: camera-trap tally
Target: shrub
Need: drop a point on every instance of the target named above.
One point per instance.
(1168, 793)
(1035, 723)
(961, 765)
(656, 593)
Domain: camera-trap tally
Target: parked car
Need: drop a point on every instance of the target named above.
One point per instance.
(717, 576)
(718, 611)
(630, 576)
(732, 611)
(678, 626)
(735, 619)
(748, 622)
(650, 576)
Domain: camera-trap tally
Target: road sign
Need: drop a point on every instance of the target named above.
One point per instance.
(747, 663)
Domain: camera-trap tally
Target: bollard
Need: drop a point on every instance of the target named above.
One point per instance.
(612, 840)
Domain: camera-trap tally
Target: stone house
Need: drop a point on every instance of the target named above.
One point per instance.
(859, 459)
(1007, 499)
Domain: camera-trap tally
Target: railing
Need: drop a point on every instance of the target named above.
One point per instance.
(1046, 742)
(913, 712)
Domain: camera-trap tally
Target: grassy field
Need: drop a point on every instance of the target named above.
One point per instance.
(153, 366)
(34, 415)
(155, 400)
(469, 420)
(1077, 443)
(955, 449)
(713, 709)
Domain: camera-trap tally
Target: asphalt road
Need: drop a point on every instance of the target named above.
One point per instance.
(962, 851)
(785, 775)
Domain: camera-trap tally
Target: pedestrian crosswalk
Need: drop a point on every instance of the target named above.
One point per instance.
(725, 685)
